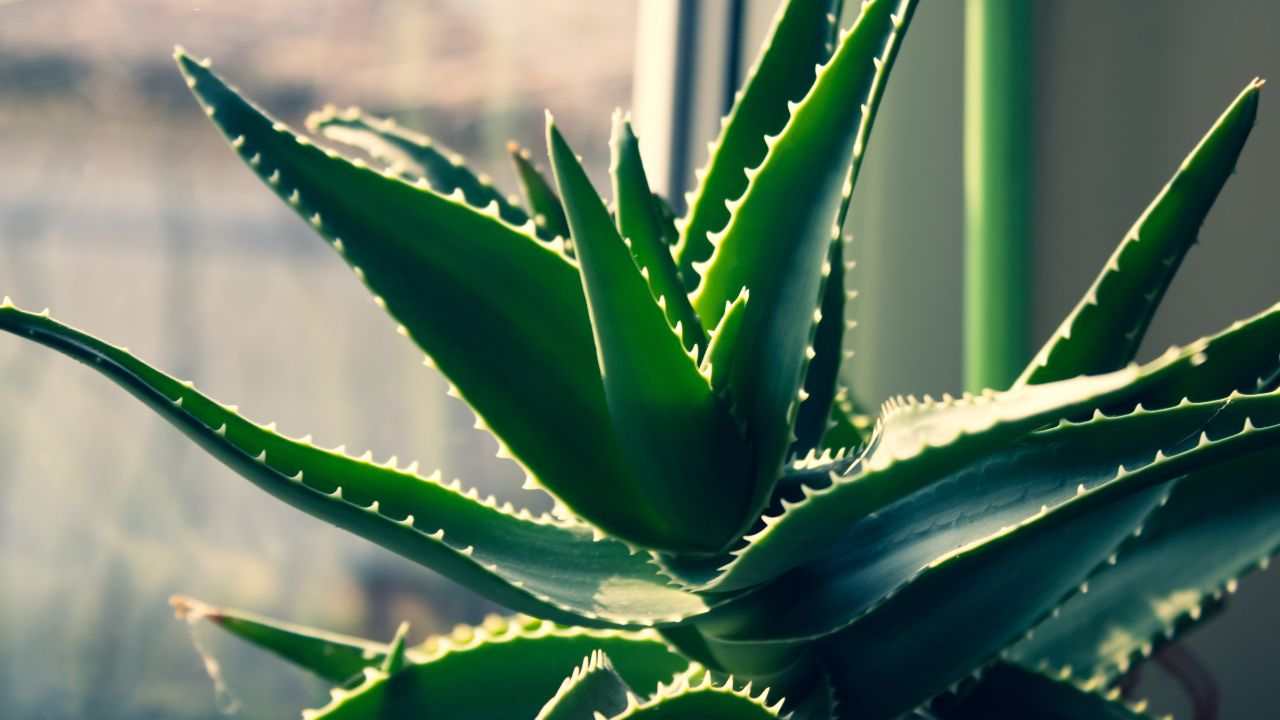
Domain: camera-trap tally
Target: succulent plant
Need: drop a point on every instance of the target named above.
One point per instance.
(730, 531)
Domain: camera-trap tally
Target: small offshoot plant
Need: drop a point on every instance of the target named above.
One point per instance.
(732, 538)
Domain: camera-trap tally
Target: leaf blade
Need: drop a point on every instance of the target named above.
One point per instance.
(540, 197)
(1220, 524)
(533, 657)
(1000, 494)
(537, 564)
(914, 444)
(330, 656)
(816, 154)
(782, 73)
(640, 222)
(414, 155)
(1007, 690)
(418, 251)
(674, 430)
(594, 687)
(1105, 328)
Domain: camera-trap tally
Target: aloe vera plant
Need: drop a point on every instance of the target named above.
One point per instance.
(733, 539)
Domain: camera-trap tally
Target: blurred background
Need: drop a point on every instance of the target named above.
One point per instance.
(122, 209)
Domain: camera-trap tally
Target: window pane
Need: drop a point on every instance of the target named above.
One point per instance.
(123, 209)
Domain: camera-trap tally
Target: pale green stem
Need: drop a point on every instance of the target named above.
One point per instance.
(997, 179)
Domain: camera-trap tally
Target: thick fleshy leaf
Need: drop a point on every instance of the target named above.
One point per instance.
(594, 687)
(333, 657)
(666, 221)
(1219, 524)
(1106, 327)
(641, 224)
(413, 155)
(818, 412)
(696, 695)
(540, 197)
(915, 445)
(1245, 357)
(515, 339)
(782, 74)
(718, 362)
(453, 678)
(534, 564)
(1007, 691)
(395, 659)
(686, 456)
(778, 248)
(1014, 488)
(962, 611)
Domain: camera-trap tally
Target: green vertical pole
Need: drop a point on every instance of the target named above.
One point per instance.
(997, 191)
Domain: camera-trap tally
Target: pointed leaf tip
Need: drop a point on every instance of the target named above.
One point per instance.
(673, 430)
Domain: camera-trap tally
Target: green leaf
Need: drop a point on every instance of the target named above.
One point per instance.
(414, 155)
(534, 564)
(1219, 524)
(818, 410)
(1012, 488)
(719, 359)
(666, 220)
(641, 224)
(1007, 691)
(783, 73)
(916, 444)
(394, 661)
(685, 451)
(777, 247)
(962, 611)
(1106, 327)
(540, 197)
(696, 695)
(332, 657)
(514, 339)
(1242, 358)
(498, 672)
(594, 687)
(981, 595)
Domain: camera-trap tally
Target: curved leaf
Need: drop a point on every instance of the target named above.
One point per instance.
(395, 659)
(964, 610)
(818, 411)
(641, 224)
(540, 197)
(454, 679)
(697, 695)
(535, 564)
(514, 339)
(717, 364)
(1244, 357)
(915, 445)
(1011, 489)
(593, 688)
(1007, 691)
(666, 220)
(783, 73)
(685, 452)
(414, 155)
(777, 248)
(1219, 524)
(1106, 327)
(333, 657)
